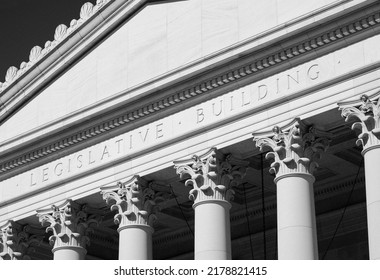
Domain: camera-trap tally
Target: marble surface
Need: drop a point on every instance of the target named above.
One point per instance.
(157, 40)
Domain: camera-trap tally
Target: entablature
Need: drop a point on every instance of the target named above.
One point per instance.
(240, 65)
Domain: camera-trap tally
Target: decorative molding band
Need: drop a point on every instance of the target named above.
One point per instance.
(255, 213)
(247, 70)
(166, 238)
(321, 192)
(111, 241)
(61, 32)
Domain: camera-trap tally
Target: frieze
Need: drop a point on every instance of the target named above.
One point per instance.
(246, 97)
(177, 125)
(287, 54)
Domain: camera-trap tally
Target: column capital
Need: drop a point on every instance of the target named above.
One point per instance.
(70, 224)
(134, 200)
(294, 148)
(368, 114)
(212, 175)
(16, 241)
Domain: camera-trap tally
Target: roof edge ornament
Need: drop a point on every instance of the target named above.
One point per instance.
(61, 32)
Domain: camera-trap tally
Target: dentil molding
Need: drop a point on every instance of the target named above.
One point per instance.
(256, 64)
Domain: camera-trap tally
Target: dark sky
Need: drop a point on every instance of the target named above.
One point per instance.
(27, 23)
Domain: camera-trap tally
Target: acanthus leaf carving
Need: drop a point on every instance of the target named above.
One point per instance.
(11, 74)
(60, 32)
(16, 241)
(294, 150)
(86, 11)
(368, 114)
(274, 58)
(70, 223)
(35, 54)
(134, 200)
(212, 176)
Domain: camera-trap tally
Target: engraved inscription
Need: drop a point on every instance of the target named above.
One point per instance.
(242, 100)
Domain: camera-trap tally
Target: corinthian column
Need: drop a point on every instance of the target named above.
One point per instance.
(211, 177)
(368, 114)
(135, 204)
(294, 150)
(70, 226)
(16, 242)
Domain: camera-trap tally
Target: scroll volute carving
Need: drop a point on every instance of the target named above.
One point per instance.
(368, 114)
(294, 150)
(69, 223)
(17, 242)
(212, 175)
(134, 201)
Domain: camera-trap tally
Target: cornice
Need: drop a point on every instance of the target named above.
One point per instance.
(247, 67)
(65, 37)
(70, 43)
(88, 10)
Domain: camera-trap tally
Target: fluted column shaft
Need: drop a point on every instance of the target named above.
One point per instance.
(211, 177)
(368, 114)
(294, 150)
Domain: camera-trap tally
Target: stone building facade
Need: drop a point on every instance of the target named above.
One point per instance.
(196, 129)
